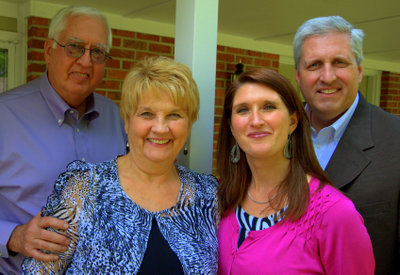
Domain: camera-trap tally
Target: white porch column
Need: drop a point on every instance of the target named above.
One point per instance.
(196, 26)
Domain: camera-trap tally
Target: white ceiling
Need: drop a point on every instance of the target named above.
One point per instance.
(277, 21)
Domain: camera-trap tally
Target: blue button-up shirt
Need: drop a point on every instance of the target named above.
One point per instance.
(39, 135)
(327, 139)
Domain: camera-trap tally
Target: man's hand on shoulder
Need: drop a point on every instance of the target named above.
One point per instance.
(28, 239)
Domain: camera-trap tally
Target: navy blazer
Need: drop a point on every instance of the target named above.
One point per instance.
(366, 166)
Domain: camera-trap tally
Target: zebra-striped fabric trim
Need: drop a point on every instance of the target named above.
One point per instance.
(249, 223)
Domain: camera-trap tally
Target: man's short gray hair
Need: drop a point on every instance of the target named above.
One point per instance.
(58, 23)
(325, 25)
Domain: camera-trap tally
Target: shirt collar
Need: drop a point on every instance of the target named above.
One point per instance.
(339, 125)
(59, 107)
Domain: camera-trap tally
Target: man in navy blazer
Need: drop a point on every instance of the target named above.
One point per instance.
(357, 143)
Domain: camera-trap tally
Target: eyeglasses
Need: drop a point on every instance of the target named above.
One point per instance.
(76, 50)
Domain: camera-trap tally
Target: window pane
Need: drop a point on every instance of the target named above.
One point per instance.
(3, 69)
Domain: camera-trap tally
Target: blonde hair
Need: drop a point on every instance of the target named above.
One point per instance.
(160, 75)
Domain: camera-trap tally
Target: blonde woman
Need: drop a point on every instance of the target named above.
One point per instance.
(141, 213)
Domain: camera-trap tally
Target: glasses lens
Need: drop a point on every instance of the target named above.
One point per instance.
(74, 50)
(98, 55)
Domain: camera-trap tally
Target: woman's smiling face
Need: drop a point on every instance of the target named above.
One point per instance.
(158, 129)
(260, 121)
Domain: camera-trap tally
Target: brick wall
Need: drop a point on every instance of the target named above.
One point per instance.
(390, 92)
(37, 34)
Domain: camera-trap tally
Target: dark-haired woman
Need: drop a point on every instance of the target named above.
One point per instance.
(281, 215)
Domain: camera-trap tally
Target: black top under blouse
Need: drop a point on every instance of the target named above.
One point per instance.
(159, 257)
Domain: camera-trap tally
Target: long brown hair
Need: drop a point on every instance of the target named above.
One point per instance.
(236, 178)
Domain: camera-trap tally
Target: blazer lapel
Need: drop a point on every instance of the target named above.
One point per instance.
(349, 159)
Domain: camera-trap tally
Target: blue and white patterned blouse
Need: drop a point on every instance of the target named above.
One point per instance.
(109, 232)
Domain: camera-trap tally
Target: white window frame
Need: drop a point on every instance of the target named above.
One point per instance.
(373, 94)
(12, 42)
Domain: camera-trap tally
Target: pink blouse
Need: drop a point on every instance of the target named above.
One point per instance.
(330, 238)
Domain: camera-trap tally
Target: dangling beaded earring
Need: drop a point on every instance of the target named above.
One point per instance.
(287, 151)
(235, 153)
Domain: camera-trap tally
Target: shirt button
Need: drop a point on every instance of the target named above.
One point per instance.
(83, 159)
(77, 130)
(318, 146)
(71, 112)
(59, 121)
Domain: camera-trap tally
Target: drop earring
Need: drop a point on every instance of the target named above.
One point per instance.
(235, 153)
(287, 151)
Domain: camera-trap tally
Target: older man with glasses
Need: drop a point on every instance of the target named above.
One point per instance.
(49, 122)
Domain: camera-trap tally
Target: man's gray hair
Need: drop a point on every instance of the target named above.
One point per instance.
(58, 23)
(325, 25)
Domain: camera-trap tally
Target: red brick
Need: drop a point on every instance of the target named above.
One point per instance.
(122, 53)
(38, 21)
(220, 65)
(123, 33)
(219, 101)
(219, 83)
(275, 64)
(249, 67)
(386, 97)
(390, 90)
(111, 84)
(127, 65)
(134, 44)
(148, 37)
(36, 67)
(215, 144)
(117, 74)
(384, 90)
(393, 85)
(271, 56)
(141, 55)
(225, 57)
(116, 42)
(223, 75)
(215, 136)
(235, 50)
(168, 40)
(231, 67)
(390, 77)
(35, 55)
(220, 92)
(38, 32)
(159, 48)
(217, 119)
(254, 53)
(389, 104)
(262, 62)
(35, 43)
(114, 95)
(220, 48)
(113, 63)
(244, 60)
